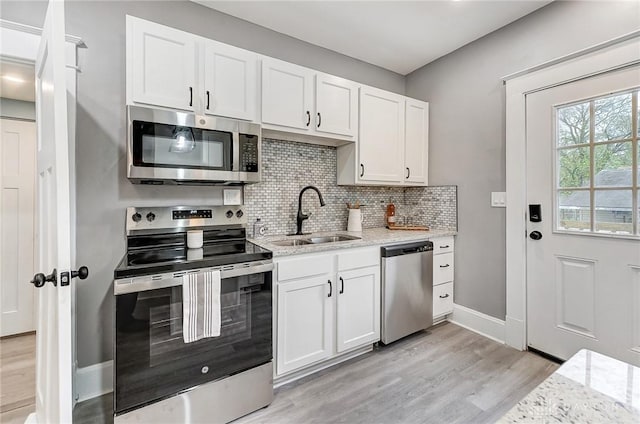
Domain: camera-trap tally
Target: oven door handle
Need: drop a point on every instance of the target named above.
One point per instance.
(136, 285)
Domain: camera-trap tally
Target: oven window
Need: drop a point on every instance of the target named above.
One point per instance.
(153, 362)
(174, 146)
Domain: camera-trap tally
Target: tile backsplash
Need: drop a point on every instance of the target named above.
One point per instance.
(287, 167)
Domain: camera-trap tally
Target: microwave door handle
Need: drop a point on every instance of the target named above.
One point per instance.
(235, 149)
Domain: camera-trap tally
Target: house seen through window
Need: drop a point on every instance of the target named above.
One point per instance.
(597, 165)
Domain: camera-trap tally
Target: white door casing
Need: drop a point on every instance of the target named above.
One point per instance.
(579, 287)
(612, 54)
(54, 351)
(17, 214)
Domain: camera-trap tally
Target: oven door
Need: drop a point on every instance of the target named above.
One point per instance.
(153, 362)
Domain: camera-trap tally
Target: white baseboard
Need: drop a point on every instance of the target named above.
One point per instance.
(515, 333)
(94, 380)
(478, 322)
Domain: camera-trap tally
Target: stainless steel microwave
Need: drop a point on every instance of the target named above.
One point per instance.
(169, 147)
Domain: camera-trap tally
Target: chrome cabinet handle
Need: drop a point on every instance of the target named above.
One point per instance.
(330, 288)
(444, 266)
(445, 296)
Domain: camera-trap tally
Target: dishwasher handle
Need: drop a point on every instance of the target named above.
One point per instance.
(406, 249)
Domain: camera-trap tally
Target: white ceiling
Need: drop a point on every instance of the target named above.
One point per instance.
(11, 89)
(400, 36)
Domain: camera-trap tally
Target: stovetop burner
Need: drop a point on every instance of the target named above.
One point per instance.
(160, 246)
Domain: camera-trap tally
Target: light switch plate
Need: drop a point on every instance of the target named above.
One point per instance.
(498, 199)
(232, 196)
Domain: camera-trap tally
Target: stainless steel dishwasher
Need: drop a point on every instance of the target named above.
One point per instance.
(407, 289)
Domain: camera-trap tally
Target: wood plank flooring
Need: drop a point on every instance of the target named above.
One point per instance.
(17, 377)
(444, 375)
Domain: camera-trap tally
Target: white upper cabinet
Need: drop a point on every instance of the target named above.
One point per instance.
(230, 77)
(416, 147)
(287, 92)
(336, 106)
(161, 64)
(381, 141)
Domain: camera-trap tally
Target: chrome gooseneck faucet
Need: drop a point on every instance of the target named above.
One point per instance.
(301, 216)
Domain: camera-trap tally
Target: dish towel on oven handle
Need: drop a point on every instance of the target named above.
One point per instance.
(200, 305)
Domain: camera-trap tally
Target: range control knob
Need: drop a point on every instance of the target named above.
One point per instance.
(239, 213)
(151, 216)
(136, 217)
(229, 214)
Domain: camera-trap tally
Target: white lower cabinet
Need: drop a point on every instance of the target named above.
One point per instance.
(326, 305)
(442, 277)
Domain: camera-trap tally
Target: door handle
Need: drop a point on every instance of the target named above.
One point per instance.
(361, 170)
(308, 118)
(444, 266)
(341, 285)
(408, 172)
(82, 273)
(535, 235)
(39, 280)
(190, 96)
(444, 297)
(319, 119)
(208, 99)
(330, 288)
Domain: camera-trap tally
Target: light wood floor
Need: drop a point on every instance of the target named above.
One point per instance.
(444, 375)
(17, 377)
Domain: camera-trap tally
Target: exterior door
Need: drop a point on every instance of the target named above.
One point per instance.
(54, 354)
(230, 81)
(305, 322)
(17, 196)
(287, 92)
(358, 315)
(583, 245)
(381, 141)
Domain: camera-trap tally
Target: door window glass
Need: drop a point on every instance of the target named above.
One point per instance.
(596, 171)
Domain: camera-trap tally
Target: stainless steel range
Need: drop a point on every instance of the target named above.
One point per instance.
(158, 377)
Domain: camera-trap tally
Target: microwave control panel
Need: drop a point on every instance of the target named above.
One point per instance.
(249, 153)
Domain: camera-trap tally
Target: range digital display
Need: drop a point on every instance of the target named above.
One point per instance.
(192, 214)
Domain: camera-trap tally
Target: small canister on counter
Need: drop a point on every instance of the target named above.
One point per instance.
(259, 229)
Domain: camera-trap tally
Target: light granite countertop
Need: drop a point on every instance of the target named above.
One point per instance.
(588, 388)
(368, 237)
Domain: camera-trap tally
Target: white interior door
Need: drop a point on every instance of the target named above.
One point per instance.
(54, 356)
(17, 196)
(583, 274)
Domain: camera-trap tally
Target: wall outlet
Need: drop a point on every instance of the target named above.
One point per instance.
(498, 199)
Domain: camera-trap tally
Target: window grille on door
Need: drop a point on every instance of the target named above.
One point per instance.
(596, 170)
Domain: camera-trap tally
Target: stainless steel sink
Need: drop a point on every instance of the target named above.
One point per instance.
(294, 242)
(331, 239)
(315, 240)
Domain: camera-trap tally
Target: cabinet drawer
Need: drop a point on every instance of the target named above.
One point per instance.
(360, 258)
(442, 299)
(308, 266)
(442, 268)
(442, 245)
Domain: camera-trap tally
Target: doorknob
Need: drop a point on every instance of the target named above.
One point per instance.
(82, 273)
(535, 235)
(40, 279)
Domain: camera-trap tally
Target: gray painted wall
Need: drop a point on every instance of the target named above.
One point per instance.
(18, 109)
(467, 128)
(102, 189)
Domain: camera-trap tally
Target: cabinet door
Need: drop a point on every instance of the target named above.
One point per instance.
(416, 147)
(230, 81)
(305, 322)
(287, 92)
(381, 138)
(442, 299)
(358, 308)
(336, 106)
(163, 66)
